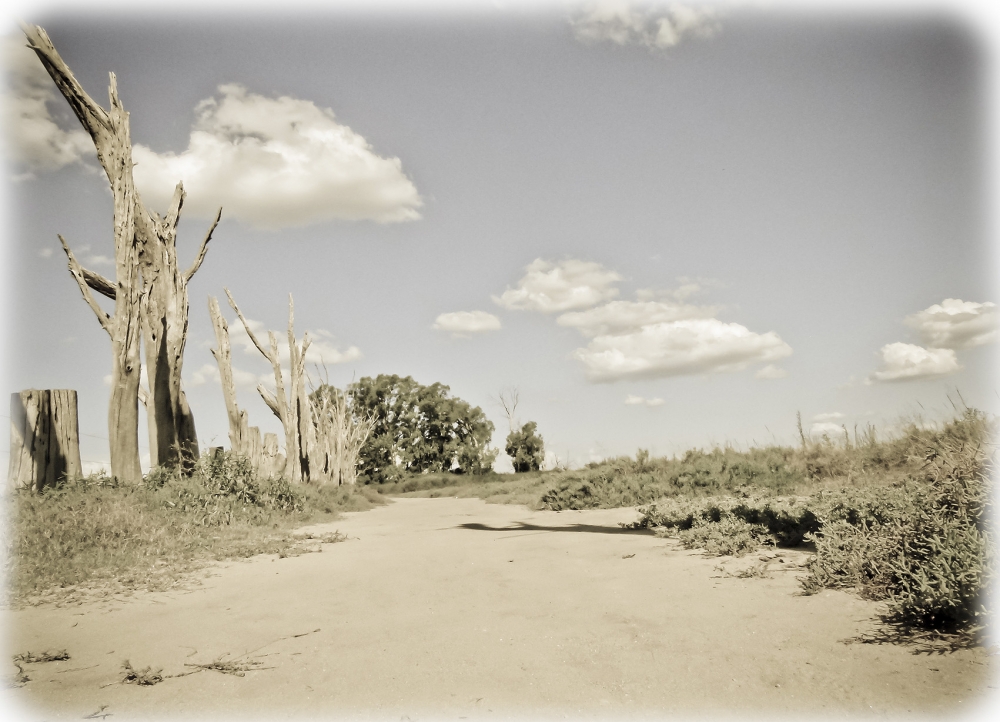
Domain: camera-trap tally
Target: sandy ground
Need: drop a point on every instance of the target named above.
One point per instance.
(456, 609)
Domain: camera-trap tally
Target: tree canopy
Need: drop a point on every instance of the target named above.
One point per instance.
(525, 448)
(419, 428)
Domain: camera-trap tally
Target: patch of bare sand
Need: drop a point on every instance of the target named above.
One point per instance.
(453, 608)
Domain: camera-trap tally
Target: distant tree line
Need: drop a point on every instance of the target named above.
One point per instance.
(418, 428)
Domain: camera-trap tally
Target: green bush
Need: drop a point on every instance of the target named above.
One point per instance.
(927, 547)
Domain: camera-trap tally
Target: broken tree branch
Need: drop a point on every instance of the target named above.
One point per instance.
(78, 273)
(99, 283)
(204, 248)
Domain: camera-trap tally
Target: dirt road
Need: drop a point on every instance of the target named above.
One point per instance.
(456, 609)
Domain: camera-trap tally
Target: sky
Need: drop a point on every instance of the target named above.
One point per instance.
(667, 226)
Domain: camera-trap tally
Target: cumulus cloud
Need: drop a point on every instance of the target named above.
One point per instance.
(33, 138)
(553, 287)
(770, 372)
(619, 317)
(831, 416)
(463, 323)
(825, 428)
(276, 162)
(209, 373)
(678, 347)
(659, 26)
(956, 324)
(907, 362)
(632, 400)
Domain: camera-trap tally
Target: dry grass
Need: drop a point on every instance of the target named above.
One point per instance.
(90, 537)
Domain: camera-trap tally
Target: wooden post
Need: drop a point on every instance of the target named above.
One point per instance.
(44, 438)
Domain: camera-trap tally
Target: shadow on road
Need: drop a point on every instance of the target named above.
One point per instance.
(522, 527)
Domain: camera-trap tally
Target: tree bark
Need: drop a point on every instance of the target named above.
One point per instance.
(44, 438)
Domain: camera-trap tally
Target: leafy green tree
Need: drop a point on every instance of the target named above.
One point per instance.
(525, 448)
(419, 428)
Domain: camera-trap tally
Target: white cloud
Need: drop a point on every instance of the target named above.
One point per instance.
(770, 372)
(632, 400)
(462, 323)
(956, 324)
(321, 349)
(678, 347)
(553, 287)
(652, 25)
(906, 362)
(828, 417)
(32, 137)
(46, 253)
(826, 428)
(274, 163)
(209, 373)
(94, 259)
(619, 317)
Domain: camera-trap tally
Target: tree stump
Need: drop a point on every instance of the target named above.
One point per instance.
(44, 438)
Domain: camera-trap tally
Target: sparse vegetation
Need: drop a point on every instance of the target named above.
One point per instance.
(52, 655)
(95, 534)
(145, 677)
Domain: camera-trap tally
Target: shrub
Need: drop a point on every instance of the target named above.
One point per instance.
(928, 547)
(525, 448)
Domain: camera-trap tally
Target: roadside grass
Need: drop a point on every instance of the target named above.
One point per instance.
(89, 536)
(925, 543)
(494, 488)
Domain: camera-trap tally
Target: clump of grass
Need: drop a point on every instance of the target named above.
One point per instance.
(90, 534)
(143, 677)
(52, 655)
(235, 667)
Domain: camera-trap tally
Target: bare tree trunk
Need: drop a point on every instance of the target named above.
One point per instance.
(164, 308)
(44, 438)
(161, 308)
(223, 356)
(110, 133)
(297, 370)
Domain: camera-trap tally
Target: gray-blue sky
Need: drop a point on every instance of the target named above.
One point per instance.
(820, 178)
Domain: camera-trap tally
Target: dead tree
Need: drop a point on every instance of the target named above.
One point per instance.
(339, 435)
(110, 132)
(164, 312)
(243, 438)
(149, 290)
(238, 424)
(292, 409)
(509, 398)
(44, 438)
